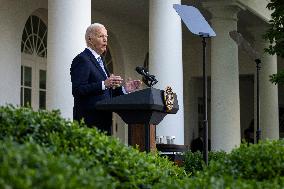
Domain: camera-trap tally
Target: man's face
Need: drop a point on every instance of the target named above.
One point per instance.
(98, 40)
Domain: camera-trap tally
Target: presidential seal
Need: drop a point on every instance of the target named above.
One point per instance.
(169, 99)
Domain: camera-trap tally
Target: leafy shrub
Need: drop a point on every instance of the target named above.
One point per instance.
(32, 166)
(254, 166)
(226, 181)
(123, 165)
(193, 161)
(263, 161)
(257, 166)
(42, 150)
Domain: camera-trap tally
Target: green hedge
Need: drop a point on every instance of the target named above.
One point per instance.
(32, 166)
(126, 167)
(193, 161)
(263, 161)
(247, 167)
(42, 150)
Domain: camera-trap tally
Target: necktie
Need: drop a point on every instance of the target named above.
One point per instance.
(99, 59)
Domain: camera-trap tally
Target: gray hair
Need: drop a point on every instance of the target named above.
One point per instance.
(92, 28)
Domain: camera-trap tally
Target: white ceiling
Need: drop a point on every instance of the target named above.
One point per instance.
(137, 11)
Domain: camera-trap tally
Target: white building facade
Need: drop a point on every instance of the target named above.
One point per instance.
(39, 39)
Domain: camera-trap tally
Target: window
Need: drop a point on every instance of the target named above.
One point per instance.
(42, 89)
(34, 38)
(26, 85)
(33, 69)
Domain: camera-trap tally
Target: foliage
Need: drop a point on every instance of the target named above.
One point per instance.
(277, 78)
(32, 166)
(263, 161)
(275, 35)
(256, 166)
(125, 166)
(193, 161)
(42, 150)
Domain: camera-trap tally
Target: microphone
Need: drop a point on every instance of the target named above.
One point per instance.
(148, 79)
(143, 71)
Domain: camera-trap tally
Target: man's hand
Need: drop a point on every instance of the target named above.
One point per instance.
(132, 85)
(113, 81)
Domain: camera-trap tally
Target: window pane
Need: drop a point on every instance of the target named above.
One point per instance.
(22, 75)
(28, 23)
(42, 79)
(27, 76)
(21, 97)
(42, 29)
(27, 97)
(29, 47)
(35, 23)
(24, 38)
(42, 96)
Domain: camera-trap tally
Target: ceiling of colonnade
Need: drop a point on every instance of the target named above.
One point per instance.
(137, 11)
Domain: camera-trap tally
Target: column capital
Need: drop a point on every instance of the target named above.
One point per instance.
(223, 9)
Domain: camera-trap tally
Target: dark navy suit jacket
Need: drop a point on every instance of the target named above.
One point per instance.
(86, 78)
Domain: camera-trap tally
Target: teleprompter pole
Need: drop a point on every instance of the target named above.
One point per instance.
(196, 24)
(205, 115)
(258, 131)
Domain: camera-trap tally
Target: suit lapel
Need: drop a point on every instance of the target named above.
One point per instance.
(95, 62)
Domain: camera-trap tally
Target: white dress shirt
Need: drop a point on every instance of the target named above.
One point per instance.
(96, 55)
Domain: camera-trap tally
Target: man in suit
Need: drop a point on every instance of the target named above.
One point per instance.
(91, 81)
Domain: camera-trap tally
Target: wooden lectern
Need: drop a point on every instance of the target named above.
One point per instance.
(142, 111)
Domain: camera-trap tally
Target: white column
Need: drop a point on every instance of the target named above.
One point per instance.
(225, 102)
(165, 59)
(10, 54)
(67, 23)
(268, 92)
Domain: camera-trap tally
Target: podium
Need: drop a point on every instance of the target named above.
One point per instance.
(142, 111)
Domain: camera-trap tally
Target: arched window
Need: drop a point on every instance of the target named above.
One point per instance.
(33, 68)
(34, 38)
